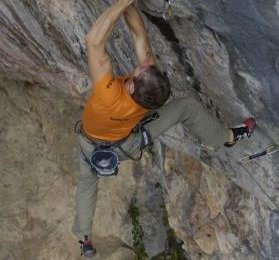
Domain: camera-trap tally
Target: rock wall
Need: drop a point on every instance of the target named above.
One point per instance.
(187, 201)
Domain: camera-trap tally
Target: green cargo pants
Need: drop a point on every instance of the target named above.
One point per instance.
(187, 111)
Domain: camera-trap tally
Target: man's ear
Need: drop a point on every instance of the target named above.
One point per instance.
(132, 88)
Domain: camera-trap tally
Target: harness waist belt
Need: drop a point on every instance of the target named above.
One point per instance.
(95, 141)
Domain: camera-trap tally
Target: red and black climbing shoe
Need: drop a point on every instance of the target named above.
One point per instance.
(87, 248)
(242, 131)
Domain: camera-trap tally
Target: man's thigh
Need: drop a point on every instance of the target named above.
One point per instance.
(169, 115)
(194, 116)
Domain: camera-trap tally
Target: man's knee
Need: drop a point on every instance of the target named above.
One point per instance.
(186, 104)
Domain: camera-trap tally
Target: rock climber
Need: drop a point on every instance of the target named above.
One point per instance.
(111, 129)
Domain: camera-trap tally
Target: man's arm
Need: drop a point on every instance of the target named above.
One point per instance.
(140, 36)
(99, 61)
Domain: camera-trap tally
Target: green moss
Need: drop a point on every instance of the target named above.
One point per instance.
(165, 217)
(137, 232)
(173, 250)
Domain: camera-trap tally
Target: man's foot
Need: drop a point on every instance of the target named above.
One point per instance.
(87, 248)
(242, 131)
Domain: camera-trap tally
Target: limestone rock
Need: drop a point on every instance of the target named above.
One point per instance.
(224, 52)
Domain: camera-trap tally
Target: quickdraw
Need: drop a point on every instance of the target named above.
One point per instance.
(167, 10)
(269, 150)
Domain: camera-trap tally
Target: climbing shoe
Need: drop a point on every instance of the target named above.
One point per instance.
(242, 131)
(87, 248)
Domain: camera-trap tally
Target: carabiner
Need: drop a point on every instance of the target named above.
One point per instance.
(167, 10)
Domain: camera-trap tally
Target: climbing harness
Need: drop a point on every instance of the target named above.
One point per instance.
(269, 150)
(167, 13)
(104, 161)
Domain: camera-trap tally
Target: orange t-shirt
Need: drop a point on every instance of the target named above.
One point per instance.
(110, 114)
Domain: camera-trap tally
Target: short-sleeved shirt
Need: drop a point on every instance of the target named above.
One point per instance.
(110, 113)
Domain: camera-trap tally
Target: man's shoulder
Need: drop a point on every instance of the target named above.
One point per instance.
(104, 80)
(108, 90)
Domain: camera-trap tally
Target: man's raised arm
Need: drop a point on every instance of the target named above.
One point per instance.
(99, 61)
(140, 36)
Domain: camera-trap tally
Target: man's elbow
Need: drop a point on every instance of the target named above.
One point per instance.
(91, 40)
